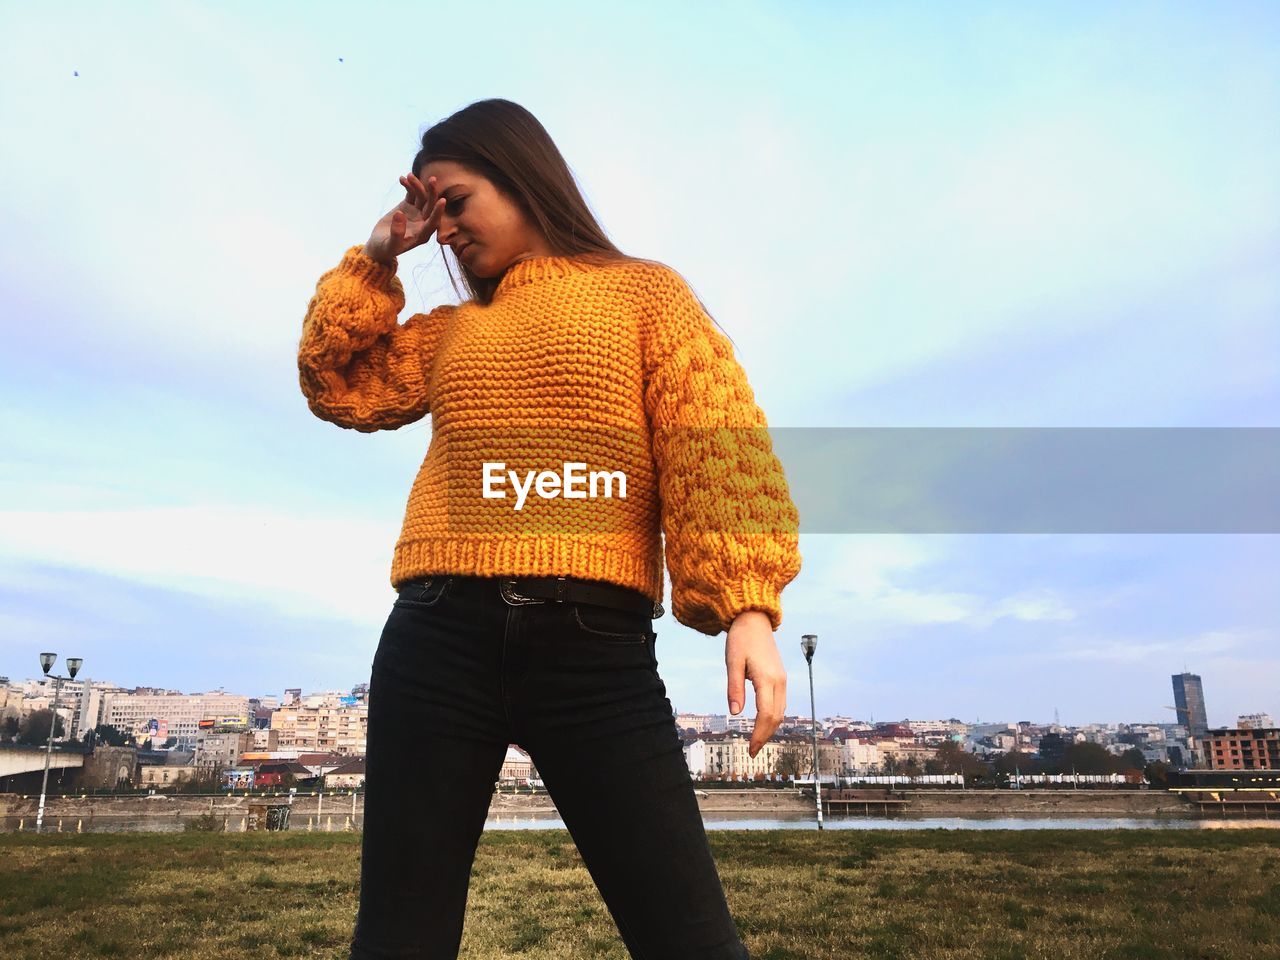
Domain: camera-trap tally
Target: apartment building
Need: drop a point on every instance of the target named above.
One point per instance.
(729, 755)
(80, 702)
(702, 722)
(10, 698)
(179, 713)
(859, 755)
(938, 730)
(516, 766)
(902, 750)
(222, 749)
(333, 724)
(1243, 748)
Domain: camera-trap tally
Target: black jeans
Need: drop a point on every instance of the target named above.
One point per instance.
(459, 673)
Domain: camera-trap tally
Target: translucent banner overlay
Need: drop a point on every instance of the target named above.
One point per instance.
(1034, 479)
(736, 480)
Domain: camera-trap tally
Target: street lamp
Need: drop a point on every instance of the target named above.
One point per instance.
(47, 661)
(809, 643)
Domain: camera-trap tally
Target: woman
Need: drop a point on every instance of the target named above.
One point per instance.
(583, 407)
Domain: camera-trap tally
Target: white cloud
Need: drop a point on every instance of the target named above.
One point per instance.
(1128, 649)
(866, 579)
(1031, 605)
(298, 564)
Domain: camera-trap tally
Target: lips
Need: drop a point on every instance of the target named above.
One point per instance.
(463, 249)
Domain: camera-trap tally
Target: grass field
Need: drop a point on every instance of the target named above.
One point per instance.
(937, 894)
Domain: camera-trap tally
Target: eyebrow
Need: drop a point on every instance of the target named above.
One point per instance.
(449, 189)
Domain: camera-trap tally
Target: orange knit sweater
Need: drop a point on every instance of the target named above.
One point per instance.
(611, 368)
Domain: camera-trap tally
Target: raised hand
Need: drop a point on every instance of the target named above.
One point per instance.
(409, 223)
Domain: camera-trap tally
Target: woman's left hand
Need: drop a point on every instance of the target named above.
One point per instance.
(750, 653)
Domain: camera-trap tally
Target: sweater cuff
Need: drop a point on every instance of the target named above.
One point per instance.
(752, 595)
(363, 267)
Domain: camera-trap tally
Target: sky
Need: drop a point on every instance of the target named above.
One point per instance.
(907, 215)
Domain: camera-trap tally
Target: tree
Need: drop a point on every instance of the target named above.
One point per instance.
(109, 736)
(205, 779)
(793, 761)
(35, 731)
(9, 727)
(1051, 749)
(1131, 759)
(1087, 758)
(1016, 760)
(1157, 773)
(953, 758)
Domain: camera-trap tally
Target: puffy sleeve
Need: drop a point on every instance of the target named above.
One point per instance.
(358, 366)
(730, 527)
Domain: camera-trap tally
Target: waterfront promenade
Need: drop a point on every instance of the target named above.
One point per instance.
(337, 810)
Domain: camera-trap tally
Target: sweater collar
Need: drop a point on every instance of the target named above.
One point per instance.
(533, 269)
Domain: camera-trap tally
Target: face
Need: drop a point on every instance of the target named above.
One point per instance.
(490, 230)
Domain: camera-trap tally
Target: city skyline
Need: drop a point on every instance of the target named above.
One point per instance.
(1048, 216)
(823, 715)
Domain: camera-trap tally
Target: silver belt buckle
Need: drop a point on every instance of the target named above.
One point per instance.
(508, 590)
(657, 610)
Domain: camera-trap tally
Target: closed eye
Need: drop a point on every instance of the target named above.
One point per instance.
(454, 206)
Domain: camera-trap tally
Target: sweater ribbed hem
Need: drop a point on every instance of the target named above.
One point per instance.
(754, 595)
(362, 266)
(491, 556)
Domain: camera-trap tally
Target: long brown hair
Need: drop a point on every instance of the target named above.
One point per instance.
(504, 143)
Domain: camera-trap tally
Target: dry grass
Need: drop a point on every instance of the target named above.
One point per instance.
(942, 895)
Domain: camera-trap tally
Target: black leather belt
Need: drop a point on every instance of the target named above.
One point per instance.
(561, 589)
(517, 590)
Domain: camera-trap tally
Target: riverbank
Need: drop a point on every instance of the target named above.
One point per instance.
(927, 803)
(1062, 803)
(919, 803)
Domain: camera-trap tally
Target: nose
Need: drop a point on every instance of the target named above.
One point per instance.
(445, 230)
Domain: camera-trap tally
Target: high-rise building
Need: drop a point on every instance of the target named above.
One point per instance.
(1188, 697)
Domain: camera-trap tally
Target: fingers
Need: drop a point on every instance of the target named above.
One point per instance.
(768, 715)
(426, 200)
(414, 192)
(410, 191)
(769, 681)
(406, 227)
(736, 668)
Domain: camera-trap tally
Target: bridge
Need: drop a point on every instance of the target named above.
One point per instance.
(16, 760)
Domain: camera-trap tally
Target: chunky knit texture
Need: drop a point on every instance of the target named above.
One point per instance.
(617, 367)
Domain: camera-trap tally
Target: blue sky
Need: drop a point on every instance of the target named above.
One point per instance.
(906, 215)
